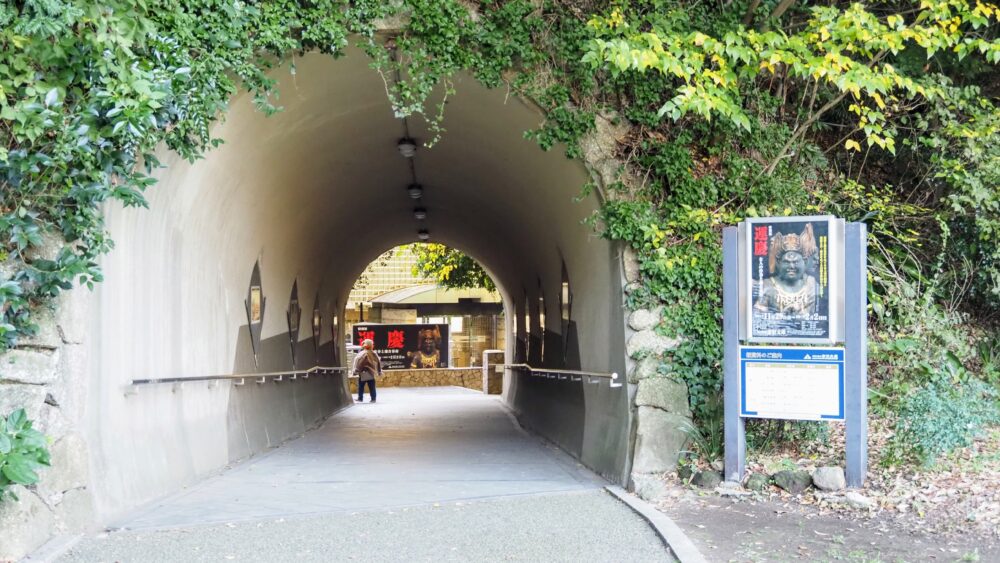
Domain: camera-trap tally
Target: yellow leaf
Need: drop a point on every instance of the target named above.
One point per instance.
(878, 100)
(852, 145)
(647, 59)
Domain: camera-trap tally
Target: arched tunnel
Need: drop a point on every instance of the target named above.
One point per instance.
(311, 195)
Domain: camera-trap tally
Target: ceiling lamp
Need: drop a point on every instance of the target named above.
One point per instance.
(420, 213)
(415, 191)
(407, 147)
(423, 234)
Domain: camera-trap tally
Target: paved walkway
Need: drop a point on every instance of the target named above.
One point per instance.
(425, 473)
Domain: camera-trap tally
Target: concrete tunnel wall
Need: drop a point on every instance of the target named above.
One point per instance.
(314, 194)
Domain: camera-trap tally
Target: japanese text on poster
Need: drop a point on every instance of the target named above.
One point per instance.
(407, 346)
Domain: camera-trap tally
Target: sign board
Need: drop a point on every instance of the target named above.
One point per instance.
(792, 383)
(407, 346)
(792, 280)
(796, 280)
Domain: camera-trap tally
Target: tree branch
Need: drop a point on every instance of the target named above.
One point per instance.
(748, 16)
(781, 8)
(802, 129)
(778, 11)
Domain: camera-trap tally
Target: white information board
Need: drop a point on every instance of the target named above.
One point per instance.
(792, 383)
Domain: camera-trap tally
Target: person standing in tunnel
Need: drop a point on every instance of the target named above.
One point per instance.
(367, 365)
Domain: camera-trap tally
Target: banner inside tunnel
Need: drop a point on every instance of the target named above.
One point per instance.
(407, 346)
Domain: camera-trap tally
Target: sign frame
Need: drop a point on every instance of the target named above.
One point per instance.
(793, 356)
(834, 268)
(397, 344)
(855, 334)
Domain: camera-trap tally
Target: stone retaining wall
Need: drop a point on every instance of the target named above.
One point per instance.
(470, 378)
(661, 404)
(43, 374)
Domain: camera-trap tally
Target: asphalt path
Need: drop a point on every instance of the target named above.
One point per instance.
(439, 473)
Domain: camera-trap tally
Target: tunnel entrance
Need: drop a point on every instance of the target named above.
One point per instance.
(218, 275)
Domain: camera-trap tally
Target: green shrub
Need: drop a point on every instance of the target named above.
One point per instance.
(989, 360)
(23, 450)
(767, 435)
(940, 417)
(708, 437)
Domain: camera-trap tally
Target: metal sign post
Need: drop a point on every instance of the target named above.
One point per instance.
(768, 309)
(735, 435)
(856, 334)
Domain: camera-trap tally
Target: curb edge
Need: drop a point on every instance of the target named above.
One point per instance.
(675, 538)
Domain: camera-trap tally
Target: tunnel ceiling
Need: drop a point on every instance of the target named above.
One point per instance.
(319, 190)
(326, 172)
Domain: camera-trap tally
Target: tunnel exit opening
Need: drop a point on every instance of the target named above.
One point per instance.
(437, 287)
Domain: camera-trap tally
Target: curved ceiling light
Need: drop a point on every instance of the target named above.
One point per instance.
(419, 213)
(415, 191)
(423, 234)
(407, 147)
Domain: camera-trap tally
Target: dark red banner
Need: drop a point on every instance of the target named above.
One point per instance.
(409, 346)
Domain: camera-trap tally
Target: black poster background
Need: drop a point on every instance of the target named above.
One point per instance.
(397, 344)
(766, 322)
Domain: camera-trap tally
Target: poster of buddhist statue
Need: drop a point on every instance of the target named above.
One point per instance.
(791, 279)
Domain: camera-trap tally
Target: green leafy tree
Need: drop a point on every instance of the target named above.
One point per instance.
(449, 267)
(878, 112)
(842, 49)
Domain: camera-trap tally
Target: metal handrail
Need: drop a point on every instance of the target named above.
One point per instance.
(570, 373)
(276, 375)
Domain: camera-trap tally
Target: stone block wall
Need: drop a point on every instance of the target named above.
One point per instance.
(661, 404)
(470, 378)
(44, 376)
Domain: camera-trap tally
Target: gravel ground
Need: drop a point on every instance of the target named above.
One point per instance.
(576, 526)
(957, 500)
(749, 531)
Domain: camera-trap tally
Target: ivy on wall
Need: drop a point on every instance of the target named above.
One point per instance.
(88, 90)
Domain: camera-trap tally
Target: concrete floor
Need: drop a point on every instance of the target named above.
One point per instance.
(427, 473)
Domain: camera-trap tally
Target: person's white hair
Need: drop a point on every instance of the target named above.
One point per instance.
(367, 343)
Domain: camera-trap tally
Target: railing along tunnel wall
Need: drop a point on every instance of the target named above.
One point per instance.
(309, 197)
